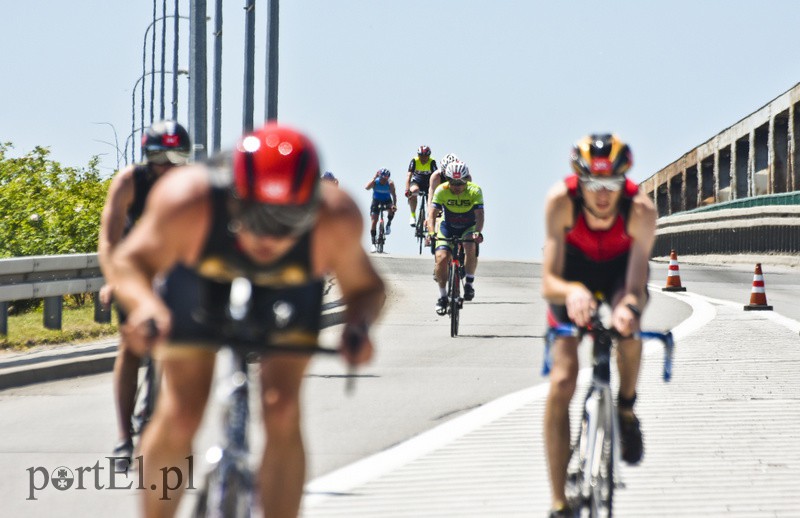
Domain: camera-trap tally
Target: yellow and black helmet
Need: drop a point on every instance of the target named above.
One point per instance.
(601, 155)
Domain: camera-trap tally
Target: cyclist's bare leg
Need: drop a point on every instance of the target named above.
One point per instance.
(629, 358)
(412, 197)
(283, 466)
(126, 370)
(440, 270)
(470, 258)
(563, 379)
(167, 441)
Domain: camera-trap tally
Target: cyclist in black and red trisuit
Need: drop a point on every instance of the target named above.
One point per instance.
(261, 213)
(165, 144)
(600, 232)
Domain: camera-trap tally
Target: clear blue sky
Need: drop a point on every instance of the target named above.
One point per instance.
(507, 85)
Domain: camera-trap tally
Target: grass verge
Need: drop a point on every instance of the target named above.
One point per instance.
(77, 325)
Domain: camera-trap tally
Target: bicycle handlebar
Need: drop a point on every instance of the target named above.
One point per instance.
(574, 331)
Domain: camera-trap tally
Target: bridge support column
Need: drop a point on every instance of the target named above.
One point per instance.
(102, 314)
(4, 318)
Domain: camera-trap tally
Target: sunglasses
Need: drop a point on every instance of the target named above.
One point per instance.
(457, 183)
(594, 184)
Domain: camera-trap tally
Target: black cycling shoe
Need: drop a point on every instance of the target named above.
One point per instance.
(124, 456)
(469, 292)
(630, 438)
(441, 306)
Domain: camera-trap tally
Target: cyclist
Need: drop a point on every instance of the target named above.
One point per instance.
(419, 172)
(438, 177)
(384, 197)
(600, 231)
(462, 205)
(329, 177)
(261, 213)
(166, 144)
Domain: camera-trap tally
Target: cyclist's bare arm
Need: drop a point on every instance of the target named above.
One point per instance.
(642, 229)
(431, 219)
(371, 183)
(555, 289)
(112, 220)
(172, 230)
(338, 249)
(434, 183)
(479, 218)
(393, 192)
(408, 179)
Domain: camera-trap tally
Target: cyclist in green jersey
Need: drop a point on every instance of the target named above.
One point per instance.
(461, 202)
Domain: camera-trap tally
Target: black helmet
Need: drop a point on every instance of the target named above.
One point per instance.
(166, 142)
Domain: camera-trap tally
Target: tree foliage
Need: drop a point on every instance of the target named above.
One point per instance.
(47, 208)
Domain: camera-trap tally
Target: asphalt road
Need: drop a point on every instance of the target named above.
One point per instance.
(420, 378)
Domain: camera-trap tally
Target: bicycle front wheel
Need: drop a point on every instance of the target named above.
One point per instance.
(228, 493)
(603, 476)
(455, 294)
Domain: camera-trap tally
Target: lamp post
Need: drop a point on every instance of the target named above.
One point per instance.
(133, 107)
(144, 65)
(115, 145)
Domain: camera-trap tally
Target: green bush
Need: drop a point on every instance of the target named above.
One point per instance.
(47, 208)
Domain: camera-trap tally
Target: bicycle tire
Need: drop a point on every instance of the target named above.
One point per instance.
(227, 493)
(145, 398)
(381, 236)
(420, 227)
(454, 306)
(603, 490)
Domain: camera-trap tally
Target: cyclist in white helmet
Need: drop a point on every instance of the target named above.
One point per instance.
(461, 203)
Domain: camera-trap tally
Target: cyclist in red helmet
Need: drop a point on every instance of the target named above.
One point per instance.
(165, 144)
(419, 173)
(600, 230)
(262, 214)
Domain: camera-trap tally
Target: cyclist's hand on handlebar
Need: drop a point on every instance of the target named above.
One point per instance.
(145, 327)
(581, 305)
(477, 237)
(428, 239)
(356, 346)
(408, 193)
(394, 209)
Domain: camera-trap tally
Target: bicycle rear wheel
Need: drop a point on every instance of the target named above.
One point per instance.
(420, 229)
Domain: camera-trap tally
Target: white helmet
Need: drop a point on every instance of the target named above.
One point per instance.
(447, 160)
(457, 171)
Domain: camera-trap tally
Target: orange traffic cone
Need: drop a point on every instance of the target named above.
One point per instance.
(758, 297)
(673, 274)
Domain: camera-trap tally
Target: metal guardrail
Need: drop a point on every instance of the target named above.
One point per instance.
(49, 277)
(764, 229)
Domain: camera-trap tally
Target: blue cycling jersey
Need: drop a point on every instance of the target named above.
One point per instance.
(381, 191)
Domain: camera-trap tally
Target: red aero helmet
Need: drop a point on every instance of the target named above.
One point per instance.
(276, 165)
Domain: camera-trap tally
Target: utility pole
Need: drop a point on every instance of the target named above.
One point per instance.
(198, 104)
(272, 61)
(249, 65)
(216, 103)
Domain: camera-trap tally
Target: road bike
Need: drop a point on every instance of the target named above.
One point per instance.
(456, 274)
(380, 239)
(593, 471)
(422, 211)
(228, 489)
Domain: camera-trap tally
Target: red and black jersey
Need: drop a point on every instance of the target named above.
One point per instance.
(599, 245)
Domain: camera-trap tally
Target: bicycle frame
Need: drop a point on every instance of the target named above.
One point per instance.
(590, 465)
(228, 489)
